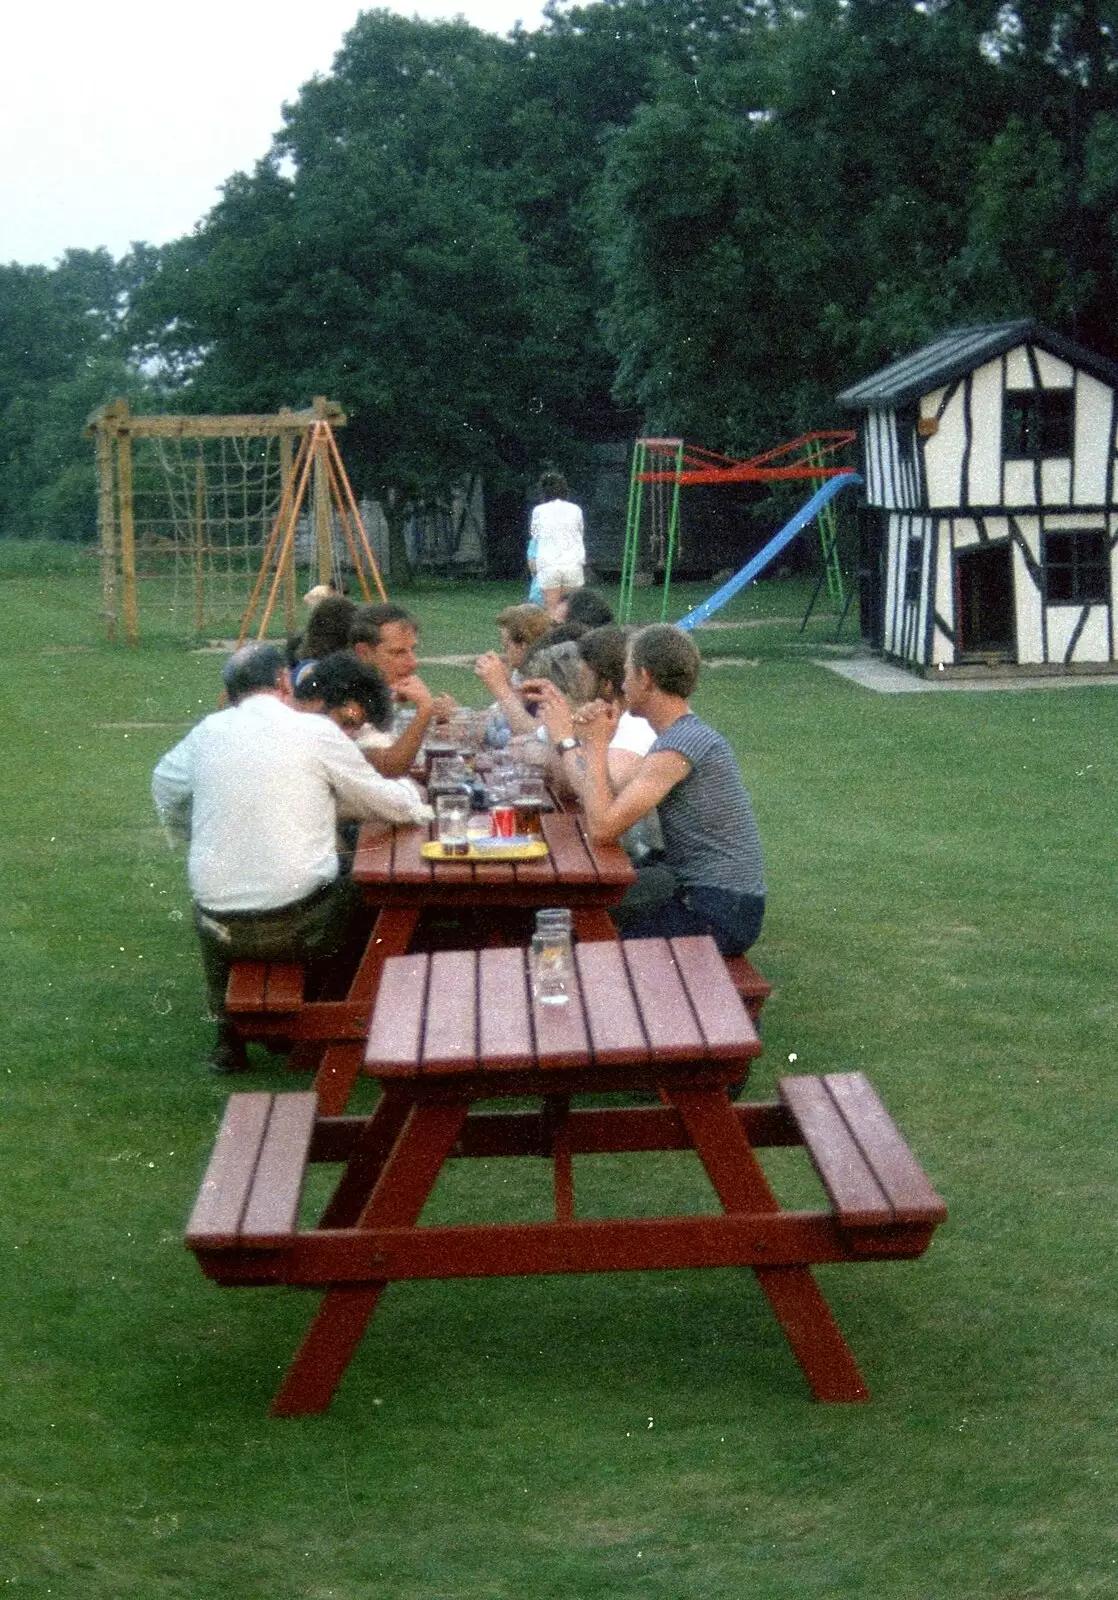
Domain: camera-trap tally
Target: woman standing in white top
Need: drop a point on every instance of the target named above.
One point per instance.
(557, 532)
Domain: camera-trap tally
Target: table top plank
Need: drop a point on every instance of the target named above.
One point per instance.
(396, 1031)
(572, 860)
(375, 845)
(612, 1018)
(726, 1024)
(505, 1037)
(669, 1022)
(562, 1038)
(450, 1041)
(408, 866)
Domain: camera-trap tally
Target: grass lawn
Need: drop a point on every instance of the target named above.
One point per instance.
(942, 914)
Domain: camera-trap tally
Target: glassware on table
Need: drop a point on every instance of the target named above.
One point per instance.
(452, 818)
(551, 966)
(530, 801)
(448, 774)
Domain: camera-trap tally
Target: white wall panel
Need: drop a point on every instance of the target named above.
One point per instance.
(1055, 481)
(985, 476)
(1093, 440)
(1027, 603)
(1020, 484)
(943, 455)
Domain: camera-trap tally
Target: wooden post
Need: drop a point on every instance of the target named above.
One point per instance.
(106, 527)
(322, 519)
(127, 538)
(200, 539)
(287, 552)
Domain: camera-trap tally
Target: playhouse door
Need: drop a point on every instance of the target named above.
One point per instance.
(984, 594)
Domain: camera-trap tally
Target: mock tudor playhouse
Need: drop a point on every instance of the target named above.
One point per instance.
(990, 523)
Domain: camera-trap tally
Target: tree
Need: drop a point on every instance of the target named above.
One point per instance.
(62, 354)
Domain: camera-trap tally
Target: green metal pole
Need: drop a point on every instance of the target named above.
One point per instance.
(673, 532)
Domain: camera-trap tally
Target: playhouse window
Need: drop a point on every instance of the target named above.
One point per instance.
(1077, 566)
(1037, 423)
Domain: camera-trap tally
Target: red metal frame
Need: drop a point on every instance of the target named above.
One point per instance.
(707, 466)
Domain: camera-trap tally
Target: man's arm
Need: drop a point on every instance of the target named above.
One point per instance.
(360, 791)
(172, 790)
(494, 674)
(396, 760)
(608, 816)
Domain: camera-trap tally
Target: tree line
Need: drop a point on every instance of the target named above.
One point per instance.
(682, 216)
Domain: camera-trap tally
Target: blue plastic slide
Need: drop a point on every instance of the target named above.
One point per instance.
(768, 552)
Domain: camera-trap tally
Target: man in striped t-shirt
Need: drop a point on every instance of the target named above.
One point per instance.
(714, 883)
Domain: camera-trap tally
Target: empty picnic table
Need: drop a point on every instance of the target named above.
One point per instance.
(395, 877)
(453, 1028)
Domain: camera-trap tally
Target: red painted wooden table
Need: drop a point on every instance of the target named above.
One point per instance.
(453, 1028)
(402, 884)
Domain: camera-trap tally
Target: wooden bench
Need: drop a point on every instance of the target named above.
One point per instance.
(884, 1204)
(753, 987)
(262, 997)
(254, 1182)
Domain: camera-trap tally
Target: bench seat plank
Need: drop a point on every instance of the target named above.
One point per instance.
(854, 1191)
(897, 1171)
(216, 1217)
(246, 986)
(450, 1030)
(272, 1208)
(870, 1174)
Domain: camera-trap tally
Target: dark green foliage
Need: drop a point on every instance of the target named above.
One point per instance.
(661, 214)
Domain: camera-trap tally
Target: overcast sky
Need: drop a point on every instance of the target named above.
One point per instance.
(119, 122)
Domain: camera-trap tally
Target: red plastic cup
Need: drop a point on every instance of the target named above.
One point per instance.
(504, 821)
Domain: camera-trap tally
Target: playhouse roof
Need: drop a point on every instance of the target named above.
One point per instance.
(959, 352)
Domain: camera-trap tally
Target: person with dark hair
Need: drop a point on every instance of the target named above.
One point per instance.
(325, 633)
(346, 690)
(586, 606)
(560, 550)
(258, 790)
(714, 881)
(385, 637)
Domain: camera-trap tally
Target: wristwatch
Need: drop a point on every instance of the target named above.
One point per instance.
(569, 743)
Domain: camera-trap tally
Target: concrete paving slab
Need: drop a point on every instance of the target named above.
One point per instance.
(869, 672)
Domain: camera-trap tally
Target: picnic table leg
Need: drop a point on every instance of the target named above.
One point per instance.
(800, 1307)
(408, 1175)
(336, 1067)
(591, 922)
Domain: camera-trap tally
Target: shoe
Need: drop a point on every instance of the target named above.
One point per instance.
(229, 1054)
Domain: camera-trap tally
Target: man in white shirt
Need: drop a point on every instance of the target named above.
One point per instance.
(258, 789)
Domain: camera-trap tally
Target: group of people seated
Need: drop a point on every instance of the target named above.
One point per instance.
(261, 788)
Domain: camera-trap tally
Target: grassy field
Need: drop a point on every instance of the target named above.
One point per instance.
(942, 915)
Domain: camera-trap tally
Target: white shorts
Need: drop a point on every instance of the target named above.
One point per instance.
(560, 578)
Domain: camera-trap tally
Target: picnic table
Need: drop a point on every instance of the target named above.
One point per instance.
(266, 1000)
(454, 1028)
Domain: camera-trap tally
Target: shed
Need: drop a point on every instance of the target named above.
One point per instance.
(990, 521)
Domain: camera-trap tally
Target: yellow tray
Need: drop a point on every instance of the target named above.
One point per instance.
(483, 850)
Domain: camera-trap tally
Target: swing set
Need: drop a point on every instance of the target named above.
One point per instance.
(661, 467)
(215, 508)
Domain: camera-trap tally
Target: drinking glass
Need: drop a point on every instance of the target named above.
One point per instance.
(452, 816)
(551, 967)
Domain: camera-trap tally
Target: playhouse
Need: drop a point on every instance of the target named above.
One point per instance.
(990, 521)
